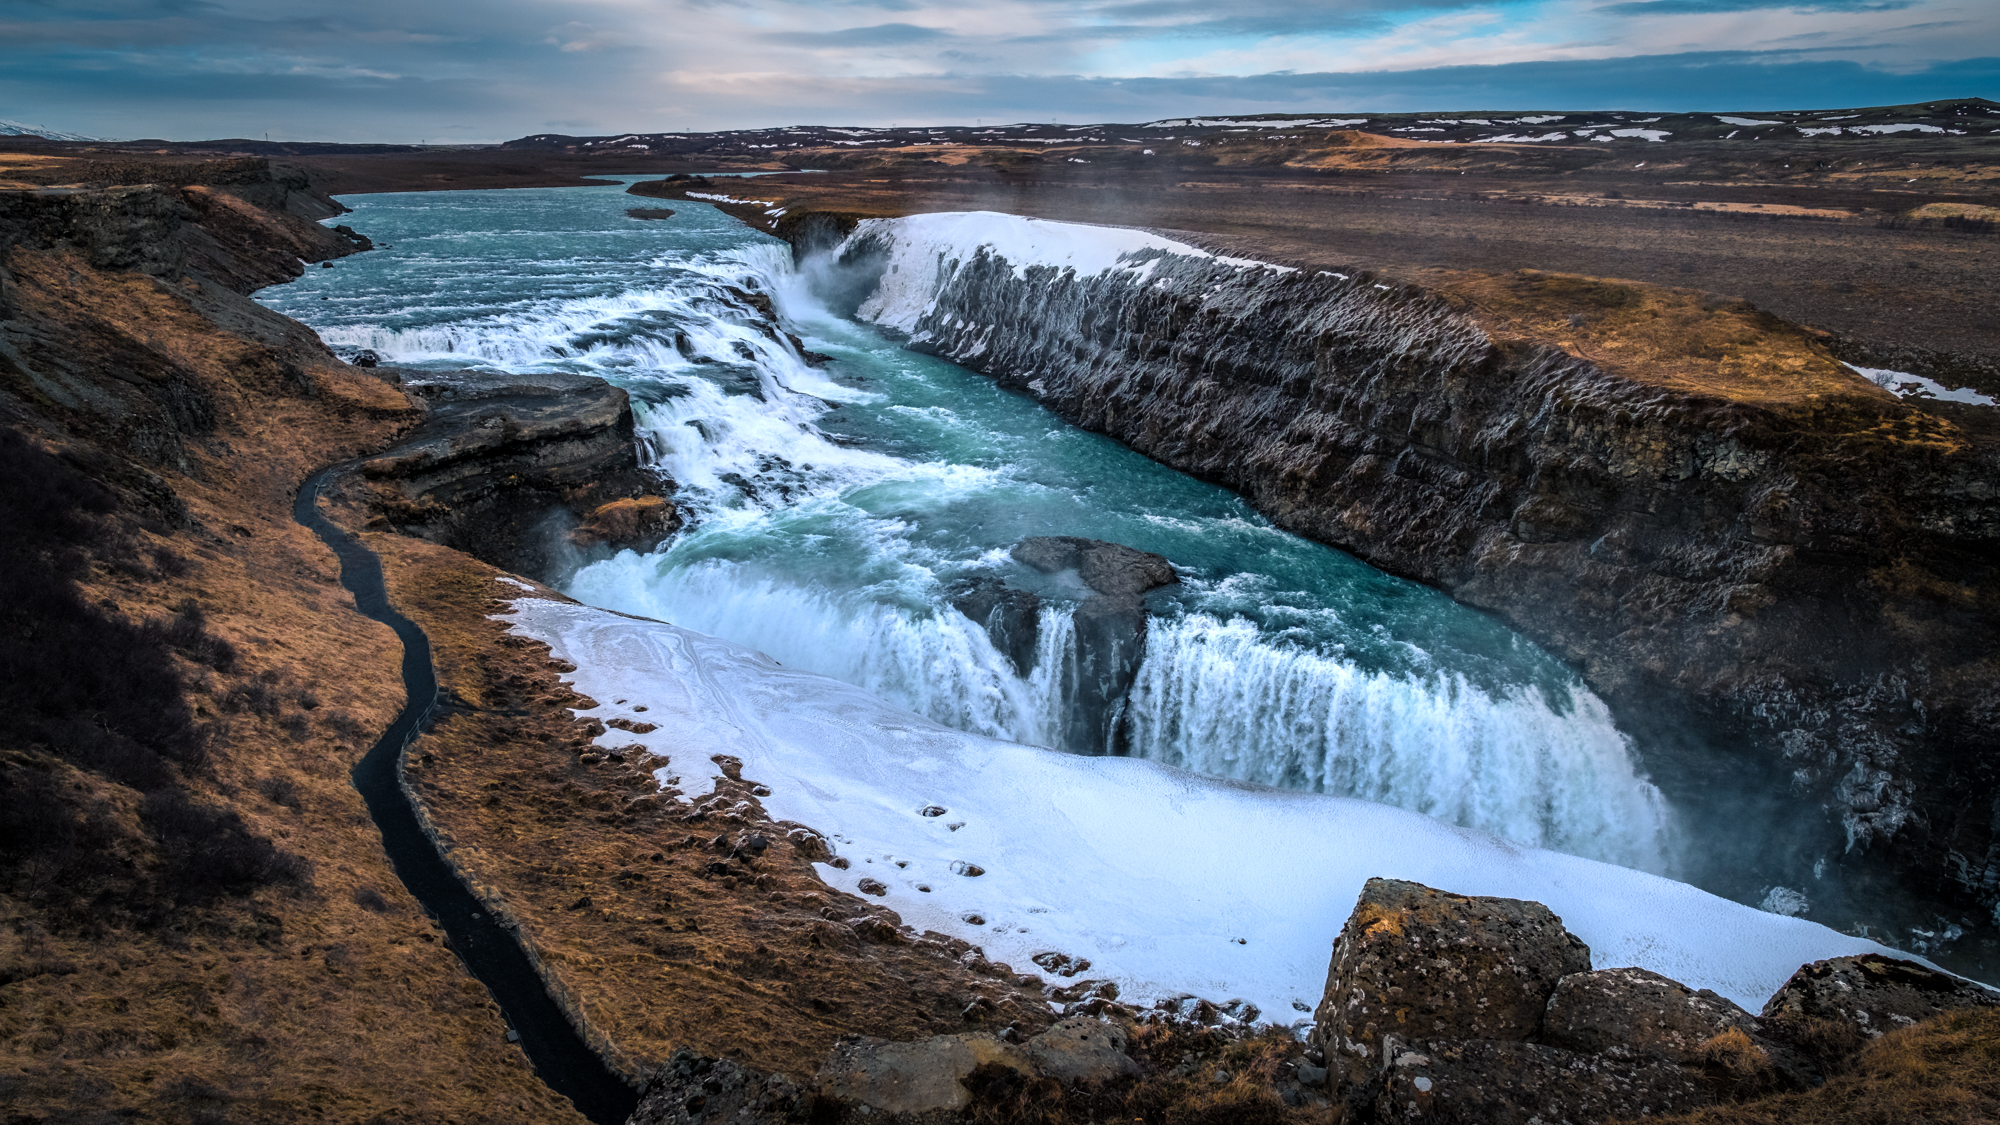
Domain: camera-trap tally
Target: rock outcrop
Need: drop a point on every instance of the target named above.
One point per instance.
(523, 471)
(938, 1079)
(1012, 617)
(1443, 1007)
(1873, 993)
(1110, 627)
(1782, 578)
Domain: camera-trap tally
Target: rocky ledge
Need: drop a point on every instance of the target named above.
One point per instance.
(1781, 577)
(528, 472)
(1112, 581)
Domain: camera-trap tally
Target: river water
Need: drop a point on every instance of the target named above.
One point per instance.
(831, 510)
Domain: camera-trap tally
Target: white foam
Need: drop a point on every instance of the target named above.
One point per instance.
(1218, 698)
(1168, 882)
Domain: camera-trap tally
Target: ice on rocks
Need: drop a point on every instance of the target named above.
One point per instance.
(1150, 873)
(923, 247)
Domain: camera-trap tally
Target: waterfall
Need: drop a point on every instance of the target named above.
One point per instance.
(1217, 698)
(829, 511)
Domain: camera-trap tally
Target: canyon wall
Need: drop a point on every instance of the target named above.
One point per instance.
(1781, 577)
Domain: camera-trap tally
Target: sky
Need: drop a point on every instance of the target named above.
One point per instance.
(456, 72)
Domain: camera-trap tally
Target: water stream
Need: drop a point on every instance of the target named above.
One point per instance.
(832, 510)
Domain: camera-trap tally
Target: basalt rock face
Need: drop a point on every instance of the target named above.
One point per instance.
(1447, 1008)
(521, 471)
(242, 224)
(1110, 626)
(1792, 602)
(1443, 1007)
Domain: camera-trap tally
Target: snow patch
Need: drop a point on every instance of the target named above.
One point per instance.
(1905, 385)
(1898, 128)
(1168, 882)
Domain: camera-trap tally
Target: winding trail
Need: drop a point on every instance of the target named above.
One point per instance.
(490, 951)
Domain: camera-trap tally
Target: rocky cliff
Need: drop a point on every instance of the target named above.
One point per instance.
(527, 472)
(192, 884)
(1780, 576)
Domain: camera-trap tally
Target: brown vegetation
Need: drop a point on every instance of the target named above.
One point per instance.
(663, 917)
(196, 918)
(1943, 1071)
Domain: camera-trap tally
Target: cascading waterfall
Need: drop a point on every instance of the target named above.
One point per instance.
(1214, 697)
(831, 510)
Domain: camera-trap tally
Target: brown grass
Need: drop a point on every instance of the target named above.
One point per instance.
(330, 1000)
(1681, 339)
(1190, 1075)
(656, 928)
(1944, 1071)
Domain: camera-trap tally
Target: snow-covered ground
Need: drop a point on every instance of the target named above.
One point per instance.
(1906, 385)
(20, 129)
(1169, 883)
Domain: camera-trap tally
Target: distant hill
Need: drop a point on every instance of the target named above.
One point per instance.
(17, 129)
(1953, 117)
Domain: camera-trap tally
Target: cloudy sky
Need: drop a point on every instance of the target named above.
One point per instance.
(410, 70)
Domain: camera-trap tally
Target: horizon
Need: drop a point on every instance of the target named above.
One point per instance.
(9, 125)
(414, 72)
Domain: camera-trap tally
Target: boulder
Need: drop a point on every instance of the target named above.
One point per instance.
(1422, 964)
(692, 1089)
(1081, 1050)
(1111, 569)
(1513, 1083)
(1874, 993)
(1637, 1014)
(1110, 626)
(920, 1077)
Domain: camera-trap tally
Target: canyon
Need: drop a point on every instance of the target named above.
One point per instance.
(1775, 571)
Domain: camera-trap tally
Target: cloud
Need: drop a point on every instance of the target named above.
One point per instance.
(394, 69)
(881, 35)
(1705, 7)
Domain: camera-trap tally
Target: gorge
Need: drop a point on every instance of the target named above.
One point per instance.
(836, 514)
(939, 540)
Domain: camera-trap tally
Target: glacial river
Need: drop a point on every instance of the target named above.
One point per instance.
(831, 510)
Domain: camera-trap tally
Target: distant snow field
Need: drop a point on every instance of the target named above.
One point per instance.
(1906, 385)
(1168, 883)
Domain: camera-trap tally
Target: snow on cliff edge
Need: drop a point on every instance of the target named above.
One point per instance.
(923, 249)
